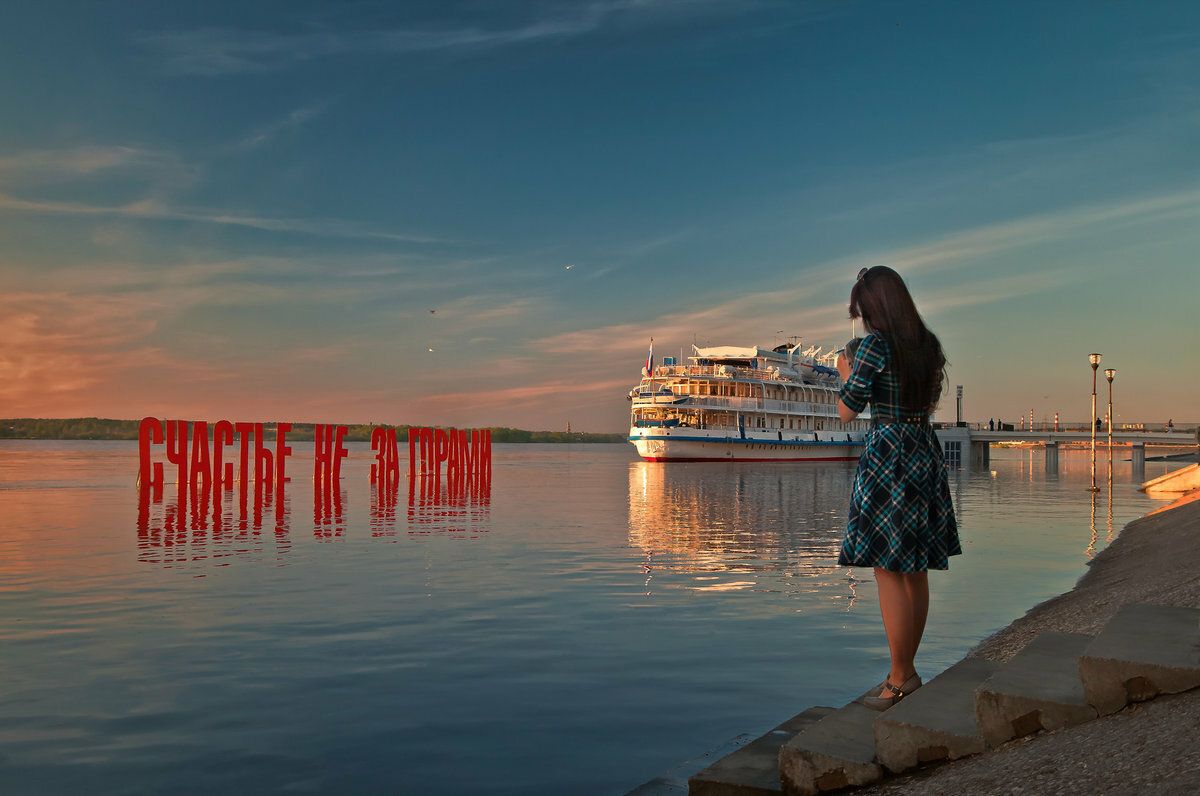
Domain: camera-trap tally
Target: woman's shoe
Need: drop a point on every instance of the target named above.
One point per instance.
(898, 693)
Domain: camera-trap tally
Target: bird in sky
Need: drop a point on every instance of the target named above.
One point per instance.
(431, 349)
(568, 266)
(432, 312)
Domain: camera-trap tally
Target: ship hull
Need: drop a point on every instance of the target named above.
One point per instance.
(693, 447)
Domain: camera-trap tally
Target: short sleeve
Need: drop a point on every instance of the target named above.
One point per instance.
(869, 359)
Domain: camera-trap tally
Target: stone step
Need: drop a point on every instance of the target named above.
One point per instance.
(935, 722)
(1038, 689)
(673, 782)
(836, 752)
(1143, 651)
(753, 770)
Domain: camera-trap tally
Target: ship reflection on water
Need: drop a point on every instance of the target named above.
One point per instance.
(719, 527)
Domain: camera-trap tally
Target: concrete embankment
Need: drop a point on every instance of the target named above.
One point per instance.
(1148, 747)
(1128, 632)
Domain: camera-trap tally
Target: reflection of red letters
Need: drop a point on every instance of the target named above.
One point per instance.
(177, 450)
(282, 451)
(150, 431)
(222, 470)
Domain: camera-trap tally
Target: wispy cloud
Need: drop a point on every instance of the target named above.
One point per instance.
(158, 177)
(805, 303)
(291, 121)
(221, 51)
(156, 210)
(154, 169)
(60, 346)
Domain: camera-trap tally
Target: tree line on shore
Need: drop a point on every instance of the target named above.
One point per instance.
(103, 428)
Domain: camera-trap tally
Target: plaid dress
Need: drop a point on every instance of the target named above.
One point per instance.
(901, 517)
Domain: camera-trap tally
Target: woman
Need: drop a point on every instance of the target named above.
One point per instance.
(901, 518)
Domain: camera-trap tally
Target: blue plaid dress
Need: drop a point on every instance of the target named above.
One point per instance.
(901, 517)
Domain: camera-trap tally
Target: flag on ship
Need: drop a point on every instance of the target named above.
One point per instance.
(650, 358)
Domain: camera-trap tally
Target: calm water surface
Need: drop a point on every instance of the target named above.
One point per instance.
(598, 620)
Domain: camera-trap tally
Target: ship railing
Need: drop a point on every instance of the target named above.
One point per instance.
(758, 405)
(717, 371)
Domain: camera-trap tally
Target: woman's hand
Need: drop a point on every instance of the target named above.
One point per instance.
(843, 366)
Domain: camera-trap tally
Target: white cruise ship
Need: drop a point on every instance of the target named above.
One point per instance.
(743, 404)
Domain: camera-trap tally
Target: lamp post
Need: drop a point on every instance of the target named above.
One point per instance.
(1108, 374)
(1095, 360)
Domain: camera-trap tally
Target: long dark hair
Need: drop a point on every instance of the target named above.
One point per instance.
(882, 300)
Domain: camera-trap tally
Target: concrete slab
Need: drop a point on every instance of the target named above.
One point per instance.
(1038, 689)
(836, 752)
(935, 722)
(753, 770)
(1143, 651)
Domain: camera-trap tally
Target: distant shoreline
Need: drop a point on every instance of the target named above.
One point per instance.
(98, 428)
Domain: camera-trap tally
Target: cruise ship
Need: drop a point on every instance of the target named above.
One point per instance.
(743, 404)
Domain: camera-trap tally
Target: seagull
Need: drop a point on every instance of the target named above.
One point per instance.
(568, 266)
(432, 311)
(431, 349)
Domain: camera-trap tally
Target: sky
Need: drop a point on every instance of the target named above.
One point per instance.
(273, 211)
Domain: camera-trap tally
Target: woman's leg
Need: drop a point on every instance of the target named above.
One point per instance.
(899, 622)
(917, 586)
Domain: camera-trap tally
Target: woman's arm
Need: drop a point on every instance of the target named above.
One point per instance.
(858, 376)
(844, 412)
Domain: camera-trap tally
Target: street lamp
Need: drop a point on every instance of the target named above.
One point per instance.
(1095, 360)
(1108, 374)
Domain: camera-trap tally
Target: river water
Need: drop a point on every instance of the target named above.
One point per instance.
(589, 623)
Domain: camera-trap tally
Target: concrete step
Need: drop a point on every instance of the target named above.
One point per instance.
(753, 770)
(1038, 689)
(935, 722)
(1143, 651)
(673, 782)
(836, 752)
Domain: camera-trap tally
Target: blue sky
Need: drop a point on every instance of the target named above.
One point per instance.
(248, 210)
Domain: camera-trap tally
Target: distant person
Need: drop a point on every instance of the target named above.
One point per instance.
(1097, 424)
(991, 424)
(1170, 425)
(901, 520)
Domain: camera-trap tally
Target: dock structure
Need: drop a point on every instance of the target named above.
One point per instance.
(970, 447)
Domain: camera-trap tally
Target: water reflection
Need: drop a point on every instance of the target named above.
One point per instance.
(203, 521)
(1090, 551)
(461, 508)
(726, 526)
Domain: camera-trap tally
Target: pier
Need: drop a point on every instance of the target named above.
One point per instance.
(957, 440)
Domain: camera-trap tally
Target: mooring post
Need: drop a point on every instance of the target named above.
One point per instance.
(1052, 457)
(980, 453)
(1139, 458)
